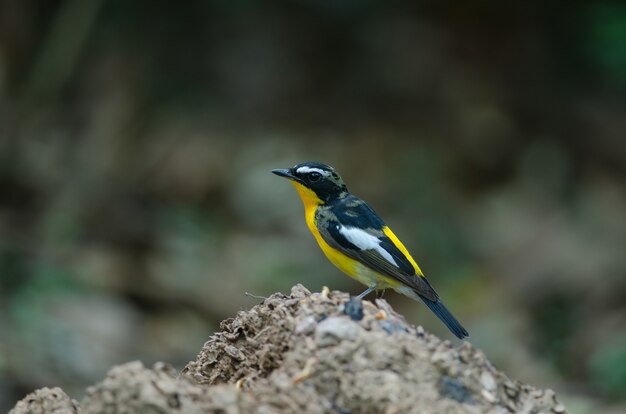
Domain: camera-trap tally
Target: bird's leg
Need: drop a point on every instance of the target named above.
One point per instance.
(367, 292)
(380, 294)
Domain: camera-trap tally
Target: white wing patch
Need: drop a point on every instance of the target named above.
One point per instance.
(365, 241)
(305, 169)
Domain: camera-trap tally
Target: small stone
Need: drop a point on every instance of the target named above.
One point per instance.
(391, 326)
(334, 329)
(538, 393)
(510, 405)
(489, 397)
(511, 392)
(453, 370)
(300, 292)
(234, 353)
(455, 389)
(305, 326)
(354, 308)
(439, 358)
(509, 384)
(487, 381)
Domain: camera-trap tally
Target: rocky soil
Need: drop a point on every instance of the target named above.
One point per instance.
(311, 353)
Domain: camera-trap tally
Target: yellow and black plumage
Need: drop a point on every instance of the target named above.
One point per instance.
(356, 240)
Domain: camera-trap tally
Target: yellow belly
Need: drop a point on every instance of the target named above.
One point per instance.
(354, 268)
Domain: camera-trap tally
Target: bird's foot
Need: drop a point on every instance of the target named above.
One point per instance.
(367, 292)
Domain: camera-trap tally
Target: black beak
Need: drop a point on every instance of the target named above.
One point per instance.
(284, 172)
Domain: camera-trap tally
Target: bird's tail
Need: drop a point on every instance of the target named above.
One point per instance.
(446, 317)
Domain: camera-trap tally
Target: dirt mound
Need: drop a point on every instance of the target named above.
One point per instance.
(314, 353)
(46, 401)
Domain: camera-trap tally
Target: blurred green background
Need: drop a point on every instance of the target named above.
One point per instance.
(137, 206)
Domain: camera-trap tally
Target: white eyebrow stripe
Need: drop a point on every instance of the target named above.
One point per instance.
(305, 169)
(365, 241)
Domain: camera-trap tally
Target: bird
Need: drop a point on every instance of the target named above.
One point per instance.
(358, 242)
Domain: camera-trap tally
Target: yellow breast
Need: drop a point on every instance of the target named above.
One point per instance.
(349, 266)
(311, 202)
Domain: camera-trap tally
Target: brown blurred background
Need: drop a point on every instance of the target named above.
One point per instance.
(137, 206)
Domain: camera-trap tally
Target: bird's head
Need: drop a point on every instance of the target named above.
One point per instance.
(321, 179)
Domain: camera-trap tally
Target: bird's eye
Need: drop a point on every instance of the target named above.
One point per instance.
(314, 176)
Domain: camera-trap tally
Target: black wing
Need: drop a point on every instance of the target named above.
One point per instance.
(353, 213)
